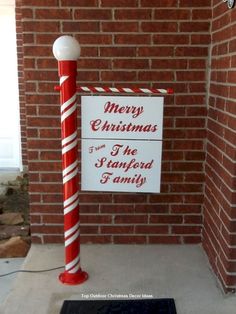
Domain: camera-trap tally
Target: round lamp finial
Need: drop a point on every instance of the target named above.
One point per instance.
(66, 48)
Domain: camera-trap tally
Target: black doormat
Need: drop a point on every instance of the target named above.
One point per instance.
(142, 306)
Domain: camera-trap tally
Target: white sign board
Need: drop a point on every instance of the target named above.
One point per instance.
(121, 165)
(121, 143)
(122, 117)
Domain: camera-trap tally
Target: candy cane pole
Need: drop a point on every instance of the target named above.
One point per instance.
(67, 50)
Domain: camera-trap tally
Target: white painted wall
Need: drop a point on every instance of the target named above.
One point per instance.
(10, 150)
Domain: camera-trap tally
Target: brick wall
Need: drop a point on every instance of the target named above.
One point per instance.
(133, 42)
(219, 236)
(20, 59)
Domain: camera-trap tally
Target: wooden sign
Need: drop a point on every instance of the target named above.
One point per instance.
(121, 143)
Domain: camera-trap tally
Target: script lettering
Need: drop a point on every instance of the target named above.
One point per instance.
(135, 111)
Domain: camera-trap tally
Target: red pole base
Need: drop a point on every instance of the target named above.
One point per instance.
(73, 279)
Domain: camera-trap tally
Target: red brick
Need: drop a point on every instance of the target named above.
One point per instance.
(162, 27)
(190, 122)
(169, 64)
(98, 219)
(33, 75)
(194, 188)
(117, 229)
(172, 177)
(89, 51)
(43, 3)
(133, 14)
(42, 188)
(186, 229)
(166, 198)
(93, 14)
(27, 13)
(192, 239)
(51, 229)
(177, 155)
(117, 208)
(94, 64)
(119, 27)
(33, 99)
(35, 219)
(197, 87)
(95, 198)
(174, 111)
(35, 198)
(132, 39)
(46, 64)
(193, 219)
(130, 219)
(117, 51)
(155, 75)
(94, 39)
(127, 239)
(171, 39)
(151, 229)
(195, 3)
(172, 14)
(84, 27)
(195, 155)
(85, 229)
(201, 14)
(88, 76)
(38, 27)
(166, 219)
(89, 209)
(130, 64)
(51, 177)
(129, 198)
(48, 111)
(97, 239)
(53, 239)
(150, 208)
(53, 219)
(50, 133)
(159, 3)
(188, 145)
(186, 209)
(119, 3)
(50, 155)
(174, 134)
(200, 39)
(191, 76)
(52, 198)
(231, 266)
(196, 177)
(149, 51)
(82, 3)
(36, 239)
(54, 14)
(118, 76)
(42, 144)
(194, 26)
(164, 239)
(191, 51)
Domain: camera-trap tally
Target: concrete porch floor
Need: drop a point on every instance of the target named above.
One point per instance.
(179, 272)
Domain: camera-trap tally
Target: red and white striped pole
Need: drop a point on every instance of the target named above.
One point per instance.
(67, 50)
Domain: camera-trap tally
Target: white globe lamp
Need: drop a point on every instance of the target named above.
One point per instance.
(66, 48)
